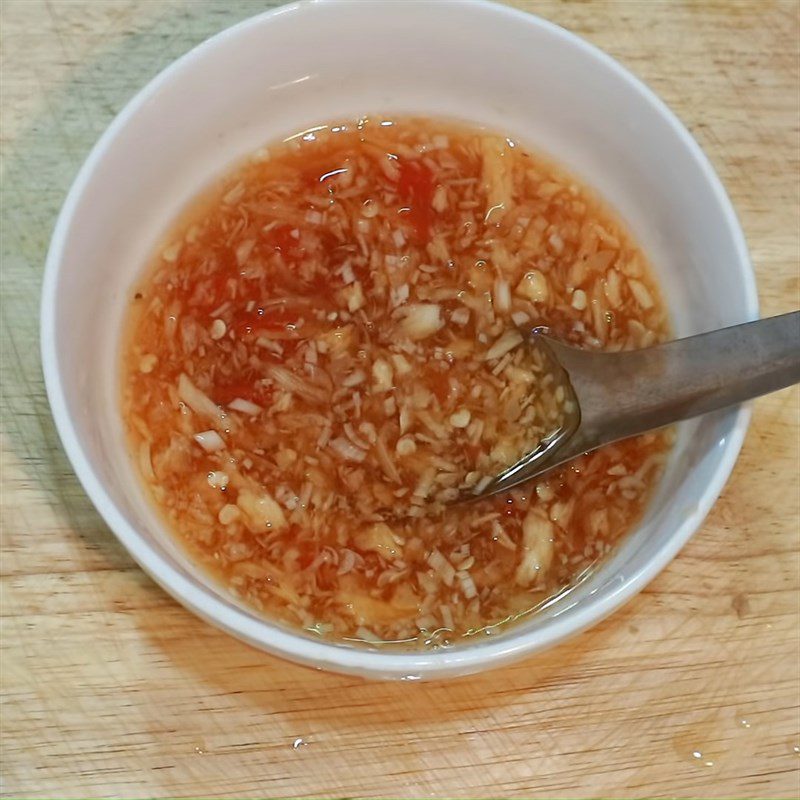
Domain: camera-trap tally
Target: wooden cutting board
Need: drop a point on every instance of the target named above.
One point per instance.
(111, 689)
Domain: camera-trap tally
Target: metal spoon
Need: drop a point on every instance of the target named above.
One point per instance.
(619, 395)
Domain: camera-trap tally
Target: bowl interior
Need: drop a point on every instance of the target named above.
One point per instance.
(282, 72)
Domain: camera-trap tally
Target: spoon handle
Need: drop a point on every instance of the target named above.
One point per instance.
(623, 394)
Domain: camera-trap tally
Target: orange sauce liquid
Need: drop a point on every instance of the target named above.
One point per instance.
(284, 227)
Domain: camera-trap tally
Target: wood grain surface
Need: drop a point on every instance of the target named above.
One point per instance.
(111, 689)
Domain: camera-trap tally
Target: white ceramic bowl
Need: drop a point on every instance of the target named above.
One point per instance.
(302, 64)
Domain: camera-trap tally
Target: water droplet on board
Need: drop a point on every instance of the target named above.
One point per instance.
(699, 747)
(743, 719)
(298, 743)
(698, 756)
(199, 751)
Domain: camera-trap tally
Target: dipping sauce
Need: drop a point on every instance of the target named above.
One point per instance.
(332, 345)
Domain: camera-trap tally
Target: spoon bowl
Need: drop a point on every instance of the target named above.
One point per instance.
(619, 395)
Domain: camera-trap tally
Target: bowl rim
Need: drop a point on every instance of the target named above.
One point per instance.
(270, 636)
